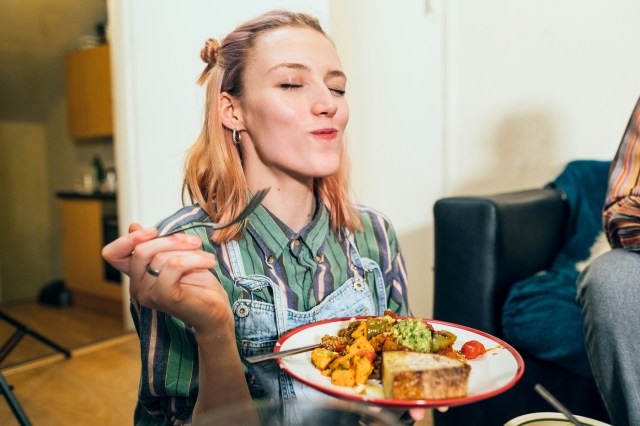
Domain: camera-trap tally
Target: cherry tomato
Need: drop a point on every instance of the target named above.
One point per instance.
(473, 349)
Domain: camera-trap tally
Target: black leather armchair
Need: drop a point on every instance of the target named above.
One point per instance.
(483, 245)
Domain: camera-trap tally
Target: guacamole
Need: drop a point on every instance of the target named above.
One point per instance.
(414, 334)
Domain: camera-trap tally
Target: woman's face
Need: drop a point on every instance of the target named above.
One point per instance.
(293, 107)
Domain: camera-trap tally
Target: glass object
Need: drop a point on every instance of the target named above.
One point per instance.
(329, 412)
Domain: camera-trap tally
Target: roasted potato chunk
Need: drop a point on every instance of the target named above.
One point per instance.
(321, 357)
(363, 368)
(340, 377)
(361, 344)
(360, 331)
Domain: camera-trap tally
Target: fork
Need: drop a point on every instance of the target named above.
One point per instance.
(251, 206)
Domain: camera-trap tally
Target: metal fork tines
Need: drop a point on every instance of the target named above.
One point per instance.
(251, 206)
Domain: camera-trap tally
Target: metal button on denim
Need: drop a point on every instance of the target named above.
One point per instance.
(358, 284)
(242, 310)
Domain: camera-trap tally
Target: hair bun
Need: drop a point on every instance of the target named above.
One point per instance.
(209, 53)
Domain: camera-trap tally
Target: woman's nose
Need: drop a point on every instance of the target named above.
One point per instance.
(325, 103)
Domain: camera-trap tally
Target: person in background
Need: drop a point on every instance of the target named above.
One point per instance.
(609, 288)
(275, 117)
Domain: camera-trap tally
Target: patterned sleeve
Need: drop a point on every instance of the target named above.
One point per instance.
(379, 235)
(169, 375)
(169, 381)
(622, 204)
(168, 387)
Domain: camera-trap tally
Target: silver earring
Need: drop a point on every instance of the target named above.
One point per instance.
(236, 136)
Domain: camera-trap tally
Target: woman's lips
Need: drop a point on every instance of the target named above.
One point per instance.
(325, 133)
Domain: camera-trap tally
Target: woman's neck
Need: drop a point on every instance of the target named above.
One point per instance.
(293, 204)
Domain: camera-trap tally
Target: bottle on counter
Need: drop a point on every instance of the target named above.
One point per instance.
(109, 184)
(98, 171)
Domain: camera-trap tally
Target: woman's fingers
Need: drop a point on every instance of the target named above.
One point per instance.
(134, 227)
(186, 288)
(171, 267)
(118, 252)
(417, 414)
(144, 253)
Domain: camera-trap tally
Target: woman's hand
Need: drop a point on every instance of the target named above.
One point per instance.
(184, 287)
(119, 252)
(410, 416)
(418, 414)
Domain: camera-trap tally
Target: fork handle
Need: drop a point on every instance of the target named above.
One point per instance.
(186, 227)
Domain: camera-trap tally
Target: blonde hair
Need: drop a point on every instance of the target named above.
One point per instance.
(214, 176)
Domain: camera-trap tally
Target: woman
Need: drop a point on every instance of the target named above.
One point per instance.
(275, 117)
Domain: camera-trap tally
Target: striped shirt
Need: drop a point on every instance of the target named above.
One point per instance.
(307, 266)
(622, 204)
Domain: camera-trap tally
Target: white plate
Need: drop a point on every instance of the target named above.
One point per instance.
(550, 419)
(491, 374)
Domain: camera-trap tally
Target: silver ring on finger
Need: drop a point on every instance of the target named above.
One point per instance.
(151, 271)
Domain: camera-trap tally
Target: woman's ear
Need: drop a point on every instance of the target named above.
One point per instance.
(230, 112)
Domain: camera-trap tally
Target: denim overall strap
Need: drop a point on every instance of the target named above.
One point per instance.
(279, 301)
(235, 258)
(369, 266)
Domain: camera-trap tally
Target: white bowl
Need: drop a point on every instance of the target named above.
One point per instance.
(550, 419)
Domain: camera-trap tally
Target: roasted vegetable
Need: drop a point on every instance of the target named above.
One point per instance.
(360, 331)
(321, 357)
(377, 326)
(355, 354)
(442, 339)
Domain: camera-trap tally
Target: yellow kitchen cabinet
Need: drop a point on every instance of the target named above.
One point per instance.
(85, 272)
(88, 91)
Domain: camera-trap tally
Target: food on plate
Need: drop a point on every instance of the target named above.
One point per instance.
(407, 354)
(419, 375)
(472, 349)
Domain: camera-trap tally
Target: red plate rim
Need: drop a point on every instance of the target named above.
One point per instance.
(449, 402)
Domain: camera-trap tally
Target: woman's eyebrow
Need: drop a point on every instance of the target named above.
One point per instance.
(336, 73)
(303, 67)
(291, 65)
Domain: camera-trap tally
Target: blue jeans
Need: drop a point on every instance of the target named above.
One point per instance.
(609, 294)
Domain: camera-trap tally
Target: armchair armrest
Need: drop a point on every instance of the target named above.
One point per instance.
(484, 244)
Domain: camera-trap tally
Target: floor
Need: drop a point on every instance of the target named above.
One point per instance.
(96, 386)
(70, 327)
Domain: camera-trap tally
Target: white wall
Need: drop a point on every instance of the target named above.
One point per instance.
(534, 84)
(25, 217)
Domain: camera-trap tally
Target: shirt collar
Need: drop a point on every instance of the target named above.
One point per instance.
(276, 236)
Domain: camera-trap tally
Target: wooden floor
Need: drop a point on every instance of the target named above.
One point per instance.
(71, 328)
(96, 386)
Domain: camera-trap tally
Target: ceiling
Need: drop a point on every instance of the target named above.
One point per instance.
(34, 37)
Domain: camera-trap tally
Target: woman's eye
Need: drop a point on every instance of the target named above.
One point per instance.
(339, 92)
(289, 86)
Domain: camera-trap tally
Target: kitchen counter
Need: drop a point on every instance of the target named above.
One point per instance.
(89, 222)
(74, 195)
